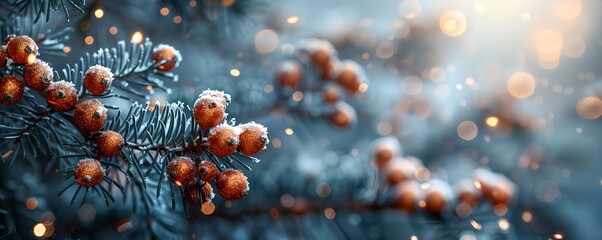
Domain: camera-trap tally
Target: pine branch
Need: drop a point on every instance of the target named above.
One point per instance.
(154, 135)
(38, 8)
(28, 133)
(133, 69)
(49, 42)
(31, 131)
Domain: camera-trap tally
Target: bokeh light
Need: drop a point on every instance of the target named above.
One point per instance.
(589, 107)
(137, 37)
(521, 85)
(467, 130)
(453, 23)
(266, 41)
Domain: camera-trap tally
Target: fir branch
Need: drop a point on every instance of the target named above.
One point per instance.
(32, 129)
(49, 42)
(30, 133)
(39, 8)
(133, 69)
(153, 136)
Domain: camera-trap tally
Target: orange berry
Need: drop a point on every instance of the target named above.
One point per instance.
(502, 191)
(320, 57)
(253, 138)
(320, 51)
(407, 194)
(224, 97)
(331, 93)
(209, 111)
(3, 56)
(166, 53)
(350, 77)
(343, 116)
(223, 140)
(61, 96)
(11, 90)
(88, 172)
(467, 192)
(98, 79)
(181, 171)
(38, 76)
(384, 150)
(206, 170)
(289, 74)
(398, 170)
(437, 196)
(232, 184)
(90, 115)
(109, 144)
(22, 50)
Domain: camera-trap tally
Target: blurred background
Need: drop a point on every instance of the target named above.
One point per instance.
(511, 86)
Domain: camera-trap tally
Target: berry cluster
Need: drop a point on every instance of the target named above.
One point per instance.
(192, 167)
(317, 82)
(105, 138)
(21, 51)
(413, 188)
(218, 139)
(90, 116)
(23, 74)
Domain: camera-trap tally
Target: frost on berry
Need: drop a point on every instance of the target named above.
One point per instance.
(407, 195)
(495, 187)
(90, 115)
(350, 76)
(289, 74)
(225, 98)
(8, 38)
(319, 51)
(181, 171)
(253, 138)
(88, 172)
(331, 93)
(98, 79)
(109, 144)
(11, 90)
(168, 56)
(209, 111)
(437, 196)
(38, 76)
(344, 115)
(232, 184)
(466, 191)
(22, 50)
(384, 150)
(223, 140)
(206, 170)
(61, 96)
(399, 169)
